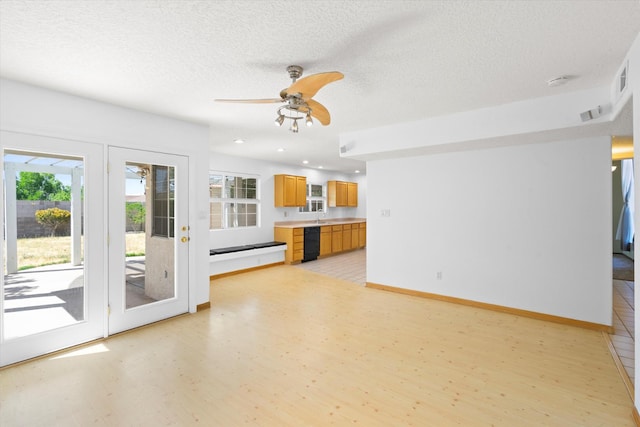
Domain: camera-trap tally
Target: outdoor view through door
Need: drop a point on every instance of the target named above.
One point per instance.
(44, 283)
(149, 235)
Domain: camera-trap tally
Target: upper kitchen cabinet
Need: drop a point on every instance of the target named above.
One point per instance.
(342, 194)
(290, 191)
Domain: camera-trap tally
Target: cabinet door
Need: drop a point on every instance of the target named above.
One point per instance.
(355, 236)
(341, 193)
(290, 190)
(336, 238)
(285, 235)
(352, 194)
(301, 191)
(325, 240)
(362, 238)
(346, 237)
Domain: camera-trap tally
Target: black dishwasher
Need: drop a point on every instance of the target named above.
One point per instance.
(311, 243)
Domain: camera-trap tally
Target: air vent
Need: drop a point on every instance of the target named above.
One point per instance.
(622, 79)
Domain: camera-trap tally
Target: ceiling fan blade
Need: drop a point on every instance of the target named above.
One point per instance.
(252, 101)
(310, 85)
(319, 112)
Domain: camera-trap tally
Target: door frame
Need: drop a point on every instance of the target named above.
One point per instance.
(121, 318)
(93, 326)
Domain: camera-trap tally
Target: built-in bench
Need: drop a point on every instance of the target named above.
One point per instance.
(244, 257)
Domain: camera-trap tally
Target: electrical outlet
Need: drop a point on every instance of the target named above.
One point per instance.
(439, 275)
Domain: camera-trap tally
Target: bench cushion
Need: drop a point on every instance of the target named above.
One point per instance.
(231, 249)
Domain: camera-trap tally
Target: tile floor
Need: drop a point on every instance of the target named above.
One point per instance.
(350, 266)
(623, 324)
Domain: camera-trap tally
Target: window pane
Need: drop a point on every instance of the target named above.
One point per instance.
(215, 186)
(229, 187)
(215, 215)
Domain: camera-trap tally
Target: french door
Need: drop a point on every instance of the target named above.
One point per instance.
(52, 291)
(148, 237)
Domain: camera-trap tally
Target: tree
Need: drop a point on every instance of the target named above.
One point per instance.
(53, 218)
(136, 214)
(41, 186)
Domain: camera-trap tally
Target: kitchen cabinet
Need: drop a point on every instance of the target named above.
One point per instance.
(336, 238)
(355, 236)
(342, 194)
(346, 237)
(294, 238)
(325, 240)
(290, 191)
(362, 235)
(352, 194)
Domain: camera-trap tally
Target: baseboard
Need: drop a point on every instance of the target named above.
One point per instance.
(203, 306)
(494, 307)
(244, 270)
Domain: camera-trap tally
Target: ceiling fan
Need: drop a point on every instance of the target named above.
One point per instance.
(297, 98)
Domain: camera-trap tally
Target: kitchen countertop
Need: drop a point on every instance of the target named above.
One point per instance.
(314, 223)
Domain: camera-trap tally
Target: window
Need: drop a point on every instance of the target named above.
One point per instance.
(233, 201)
(163, 199)
(315, 199)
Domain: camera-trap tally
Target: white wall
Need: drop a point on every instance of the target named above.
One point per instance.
(32, 110)
(270, 214)
(526, 227)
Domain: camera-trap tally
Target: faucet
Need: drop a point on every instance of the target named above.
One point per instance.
(319, 211)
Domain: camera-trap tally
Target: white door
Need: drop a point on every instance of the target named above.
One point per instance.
(148, 237)
(52, 288)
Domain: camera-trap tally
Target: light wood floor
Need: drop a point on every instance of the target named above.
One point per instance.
(285, 346)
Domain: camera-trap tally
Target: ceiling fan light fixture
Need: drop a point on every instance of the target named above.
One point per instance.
(294, 126)
(279, 120)
(308, 120)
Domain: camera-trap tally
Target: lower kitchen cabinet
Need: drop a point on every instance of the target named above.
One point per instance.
(336, 238)
(346, 237)
(333, 240)
(362, 235)
(294, 238)
(325, 240)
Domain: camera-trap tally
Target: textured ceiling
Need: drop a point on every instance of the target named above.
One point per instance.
(402, 60)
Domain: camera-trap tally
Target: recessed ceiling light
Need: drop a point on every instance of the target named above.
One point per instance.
(320, 167)
(357, 171)
(239, 141)
(557, 81)
(305, 162)
(280, 150)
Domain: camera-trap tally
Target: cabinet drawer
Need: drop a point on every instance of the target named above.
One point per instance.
(363, 225)
(298, 254)
(298, 239)
(337, 228)
(298, 231)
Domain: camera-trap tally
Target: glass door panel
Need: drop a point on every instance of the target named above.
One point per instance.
(44, 276)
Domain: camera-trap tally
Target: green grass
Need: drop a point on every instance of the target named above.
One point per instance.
(41, 251)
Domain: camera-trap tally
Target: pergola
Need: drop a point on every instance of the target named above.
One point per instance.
(16, 162)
